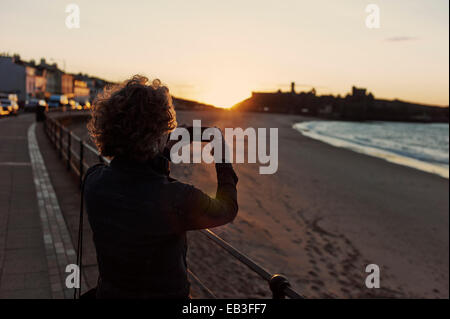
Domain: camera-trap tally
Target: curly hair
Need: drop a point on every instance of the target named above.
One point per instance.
(132, 119)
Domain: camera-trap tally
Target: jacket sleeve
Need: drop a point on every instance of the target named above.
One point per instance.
(201, 211)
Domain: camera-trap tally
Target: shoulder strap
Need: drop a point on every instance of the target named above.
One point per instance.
(77, 292)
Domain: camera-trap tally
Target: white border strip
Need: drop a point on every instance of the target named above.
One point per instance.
(58, 244)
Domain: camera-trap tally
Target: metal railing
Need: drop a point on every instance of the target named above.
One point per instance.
(76, 153)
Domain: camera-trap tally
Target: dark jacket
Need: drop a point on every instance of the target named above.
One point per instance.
(139, 217)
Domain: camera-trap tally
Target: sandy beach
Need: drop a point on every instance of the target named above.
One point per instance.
(322, 218)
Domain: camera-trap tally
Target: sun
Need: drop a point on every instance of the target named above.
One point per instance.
(224, 94)
(223, 100)
(222, 89)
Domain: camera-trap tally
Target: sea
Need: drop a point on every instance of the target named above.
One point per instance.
(419, 145)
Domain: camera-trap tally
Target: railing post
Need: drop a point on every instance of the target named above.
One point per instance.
(277, 285)
(54, 134)
(60, 141)
(69, 149)
(81, 162)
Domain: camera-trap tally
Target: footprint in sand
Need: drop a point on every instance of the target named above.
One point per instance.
(318, 283)
(243, 221)
(343, 283)
(268, 233)
(317, 251)
(345, 290)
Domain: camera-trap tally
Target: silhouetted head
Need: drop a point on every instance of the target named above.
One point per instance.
(133, 119)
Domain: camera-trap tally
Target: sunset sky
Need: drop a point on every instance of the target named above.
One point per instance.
(219, 51)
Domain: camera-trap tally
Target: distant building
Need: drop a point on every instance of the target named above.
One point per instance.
(357, 106)
(53, 77)
(67, 84)
(13, 77)
(28, 79)
(80, 89)
(93, 84)
(40, 83)
(281, 102)
(358, 92)
(98, 87)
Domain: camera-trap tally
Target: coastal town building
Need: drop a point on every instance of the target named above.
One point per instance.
(67, 85)
(13, 77)
(53, 76)
(80, 89)
(28, 80)
(359, 105)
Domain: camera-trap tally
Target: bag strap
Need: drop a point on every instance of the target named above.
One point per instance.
(77, 292)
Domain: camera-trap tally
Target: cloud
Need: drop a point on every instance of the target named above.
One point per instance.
(401, 39)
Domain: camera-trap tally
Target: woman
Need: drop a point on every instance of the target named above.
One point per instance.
(139, 215)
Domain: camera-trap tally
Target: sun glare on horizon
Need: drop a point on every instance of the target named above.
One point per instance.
(224, 99)
(222, 93)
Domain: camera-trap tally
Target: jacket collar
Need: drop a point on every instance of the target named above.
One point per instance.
(159, 165)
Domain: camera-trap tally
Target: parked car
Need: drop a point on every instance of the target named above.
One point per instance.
(31, 104)
(58, 101)
(83, 103)
(10, 96)
(86, 105)
(4, 111)
(11, 106)
(74, 105)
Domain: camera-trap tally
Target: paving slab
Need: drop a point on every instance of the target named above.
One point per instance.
(23, 262)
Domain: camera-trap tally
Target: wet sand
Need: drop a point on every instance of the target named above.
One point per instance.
(322, 218)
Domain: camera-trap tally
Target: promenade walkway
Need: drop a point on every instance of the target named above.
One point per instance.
(39, 208)
(35, 246)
